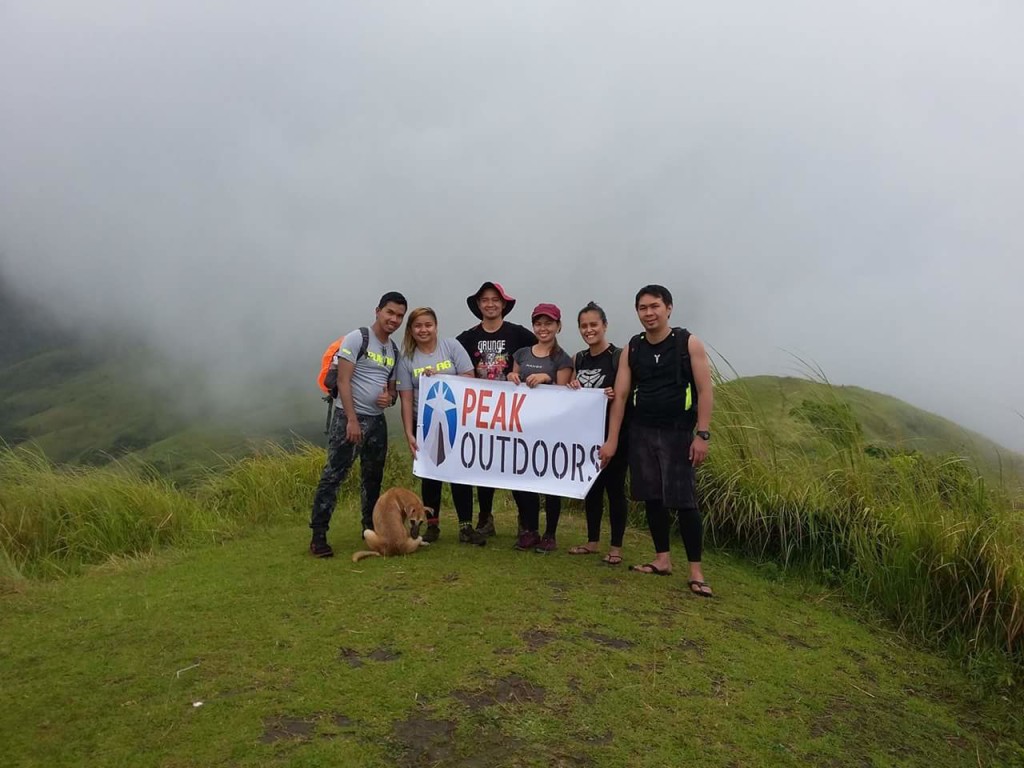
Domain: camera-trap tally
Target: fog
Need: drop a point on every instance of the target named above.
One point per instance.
(237, 183)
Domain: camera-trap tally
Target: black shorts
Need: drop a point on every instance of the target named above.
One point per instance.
(660, 468)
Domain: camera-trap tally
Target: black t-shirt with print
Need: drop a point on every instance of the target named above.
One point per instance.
(491, 353)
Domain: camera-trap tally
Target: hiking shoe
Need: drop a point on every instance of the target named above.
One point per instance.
(432, 534)
(319, 547)
(467, 535)
(486, 526)
(527, 540)
(545, 545)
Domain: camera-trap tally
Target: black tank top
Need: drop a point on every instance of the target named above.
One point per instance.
(598, 373)
(663, 390)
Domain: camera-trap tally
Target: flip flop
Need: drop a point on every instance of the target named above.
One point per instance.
(582, 550)
(611, 560)
(699, 591)
(654, 570)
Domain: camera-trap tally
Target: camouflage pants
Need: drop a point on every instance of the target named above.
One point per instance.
(341, 455)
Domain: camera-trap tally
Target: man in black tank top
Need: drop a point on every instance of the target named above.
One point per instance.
(665, 374)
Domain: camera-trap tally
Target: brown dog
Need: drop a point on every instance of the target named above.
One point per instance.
(390, 536)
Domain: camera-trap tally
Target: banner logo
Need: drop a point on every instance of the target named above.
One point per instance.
(440, 423)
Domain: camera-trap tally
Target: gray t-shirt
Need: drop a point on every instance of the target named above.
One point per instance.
(373, 370)
(448, 358)
(529, 363)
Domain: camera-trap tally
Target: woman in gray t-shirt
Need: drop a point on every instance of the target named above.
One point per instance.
(543, 363)
(424, 354)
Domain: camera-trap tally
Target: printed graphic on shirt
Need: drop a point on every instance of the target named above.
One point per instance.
(444, 365)
(592, 377)
(492, 361)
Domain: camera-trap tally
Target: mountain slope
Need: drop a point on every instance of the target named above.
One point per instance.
(885, 421)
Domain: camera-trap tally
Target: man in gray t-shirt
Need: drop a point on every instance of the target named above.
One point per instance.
(366, 386)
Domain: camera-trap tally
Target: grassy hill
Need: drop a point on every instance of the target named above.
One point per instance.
(78, 407)
(885, 421)
(845, 536)
(252, 653)
(199, 632)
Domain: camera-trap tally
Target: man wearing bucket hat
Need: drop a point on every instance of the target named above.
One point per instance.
(491, 344)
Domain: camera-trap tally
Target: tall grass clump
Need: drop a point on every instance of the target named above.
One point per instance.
(53, 521)
(271, 487)
(278, 485)
(920, 537)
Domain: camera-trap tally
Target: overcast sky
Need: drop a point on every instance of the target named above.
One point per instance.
(240, 181)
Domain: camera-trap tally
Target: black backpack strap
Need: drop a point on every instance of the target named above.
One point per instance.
(615, 361)
(685, 373)
(365, 345)
(634, 348)
(685, 366)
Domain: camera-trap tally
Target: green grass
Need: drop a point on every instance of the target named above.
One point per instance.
(915, 538)
(922, 538)
(463, 656)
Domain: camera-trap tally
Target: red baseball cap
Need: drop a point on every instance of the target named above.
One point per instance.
(471, 301)
(550, 310)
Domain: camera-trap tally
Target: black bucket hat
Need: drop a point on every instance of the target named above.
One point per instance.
(471, 301)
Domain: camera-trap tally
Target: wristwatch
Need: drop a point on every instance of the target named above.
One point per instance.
(703, 434)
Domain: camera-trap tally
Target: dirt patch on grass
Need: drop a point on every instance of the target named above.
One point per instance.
(286, 728)
(697, 646)
(450, 578)
(350, 656)
(609, 642)
(354, 658)
(718, 689)
(536, 639)
(838, 710)
(512, 689)
(795, 642)
(425, 741)
(560, 590)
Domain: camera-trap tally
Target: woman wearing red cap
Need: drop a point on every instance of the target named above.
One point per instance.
(542, 363)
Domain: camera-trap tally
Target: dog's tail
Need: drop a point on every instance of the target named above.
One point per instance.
(356, 557)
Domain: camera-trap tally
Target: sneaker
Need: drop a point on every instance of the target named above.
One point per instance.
(467, 535)
(545, 545)
(319, 547)
(527, 540)
(486, 526)
(432, 534)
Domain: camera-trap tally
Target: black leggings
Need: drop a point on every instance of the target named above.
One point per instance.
(462, 495)
(529, 511)
(690, 526)
(612, 481)
(486, 497)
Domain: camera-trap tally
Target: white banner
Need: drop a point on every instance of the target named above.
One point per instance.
(503, 435)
